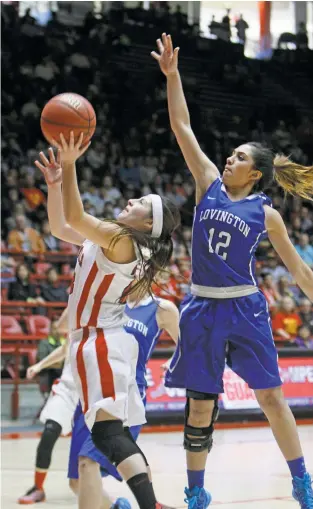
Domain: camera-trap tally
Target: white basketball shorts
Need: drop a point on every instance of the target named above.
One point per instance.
(60, 406)
(104, 364)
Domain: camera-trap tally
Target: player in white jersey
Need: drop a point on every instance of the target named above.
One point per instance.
(103, 355)
(56, 415)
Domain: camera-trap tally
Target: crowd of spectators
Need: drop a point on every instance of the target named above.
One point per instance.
(133, 153)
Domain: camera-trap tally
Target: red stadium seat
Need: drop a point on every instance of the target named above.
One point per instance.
(37, 324)
(9, 325)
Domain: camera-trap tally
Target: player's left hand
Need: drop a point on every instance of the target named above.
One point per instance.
(70, 151)
(32, 371)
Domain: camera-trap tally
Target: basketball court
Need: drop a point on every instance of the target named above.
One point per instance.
(245, 470)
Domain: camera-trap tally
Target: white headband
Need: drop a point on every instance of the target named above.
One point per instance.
(157, 215)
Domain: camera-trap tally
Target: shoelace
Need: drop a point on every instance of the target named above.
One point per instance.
(304, 496)
(191, 500)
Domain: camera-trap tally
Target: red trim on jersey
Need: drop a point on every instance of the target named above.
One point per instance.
(102, 290)
(81, 367)
(106, 375)
(84, 295)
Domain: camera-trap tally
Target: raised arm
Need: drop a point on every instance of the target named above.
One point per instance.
(202, 169)
(281, 242)
(52, 172)
(89, 227)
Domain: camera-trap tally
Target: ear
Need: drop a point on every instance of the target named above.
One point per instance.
(256, 175)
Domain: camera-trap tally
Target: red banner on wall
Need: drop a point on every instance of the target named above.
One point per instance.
(296, 374)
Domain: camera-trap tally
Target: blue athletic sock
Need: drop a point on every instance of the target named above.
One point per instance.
(297, 467)
(195, 478)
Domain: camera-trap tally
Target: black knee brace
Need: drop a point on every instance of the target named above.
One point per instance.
(128, 433)
(113, 441)
(199, 439)
(49, 436)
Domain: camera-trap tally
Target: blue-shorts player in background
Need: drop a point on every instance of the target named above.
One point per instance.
(226, 315)
(146, 320)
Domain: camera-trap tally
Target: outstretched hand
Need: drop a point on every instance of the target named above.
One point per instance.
(32, 371)
(167, 57)
(51, 168)
(70, 151)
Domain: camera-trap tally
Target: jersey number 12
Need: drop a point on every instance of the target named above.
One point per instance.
(225, 238)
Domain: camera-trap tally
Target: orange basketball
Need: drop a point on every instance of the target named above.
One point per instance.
(65, 113)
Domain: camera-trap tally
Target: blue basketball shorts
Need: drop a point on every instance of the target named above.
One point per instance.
(82, 445)
(214, 331)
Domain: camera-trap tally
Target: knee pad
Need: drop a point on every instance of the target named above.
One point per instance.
(113, 441)
(49, 436)
(128, 432)
(200, 439)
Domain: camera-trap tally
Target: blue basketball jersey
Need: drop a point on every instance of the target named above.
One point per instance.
(143, 325)
(225, 237)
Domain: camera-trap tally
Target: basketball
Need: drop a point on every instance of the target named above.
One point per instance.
(65, 113)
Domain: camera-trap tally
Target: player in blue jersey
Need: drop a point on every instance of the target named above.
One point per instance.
(226, 315)
(146, 320)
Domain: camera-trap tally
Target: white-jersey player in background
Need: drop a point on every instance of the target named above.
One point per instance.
(56, 415)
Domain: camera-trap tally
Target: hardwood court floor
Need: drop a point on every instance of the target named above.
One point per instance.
(245, 470)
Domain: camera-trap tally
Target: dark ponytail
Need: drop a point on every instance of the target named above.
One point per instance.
(160, 250)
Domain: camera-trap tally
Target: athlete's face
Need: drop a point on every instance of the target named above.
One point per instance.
(239, 170)
(137, 214)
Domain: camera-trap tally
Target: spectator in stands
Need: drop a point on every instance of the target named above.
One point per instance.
(52, 290)
(286, 321)
(283, 287)
(22, 289)
(281, 136)
(7, 265)
(183, 278)
(306, 313)
(34, 197)
(47, 346)
(166, 287)
(242, 26)
(51, 242)
(109, 191)
(302, 39)
(306, 220)
(304, 338)
(24, 238)
(226, 25)
(270, 291)
(305, 249)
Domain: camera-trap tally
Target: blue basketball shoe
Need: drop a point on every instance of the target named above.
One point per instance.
(121, 503)
(302, 491)
(197, 498)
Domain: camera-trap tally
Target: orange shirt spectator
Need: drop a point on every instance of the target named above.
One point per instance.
(269, 289)
(25, 239)
(34, 197)
(286, 321)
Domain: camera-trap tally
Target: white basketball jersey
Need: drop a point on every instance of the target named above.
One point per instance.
(97, 289)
